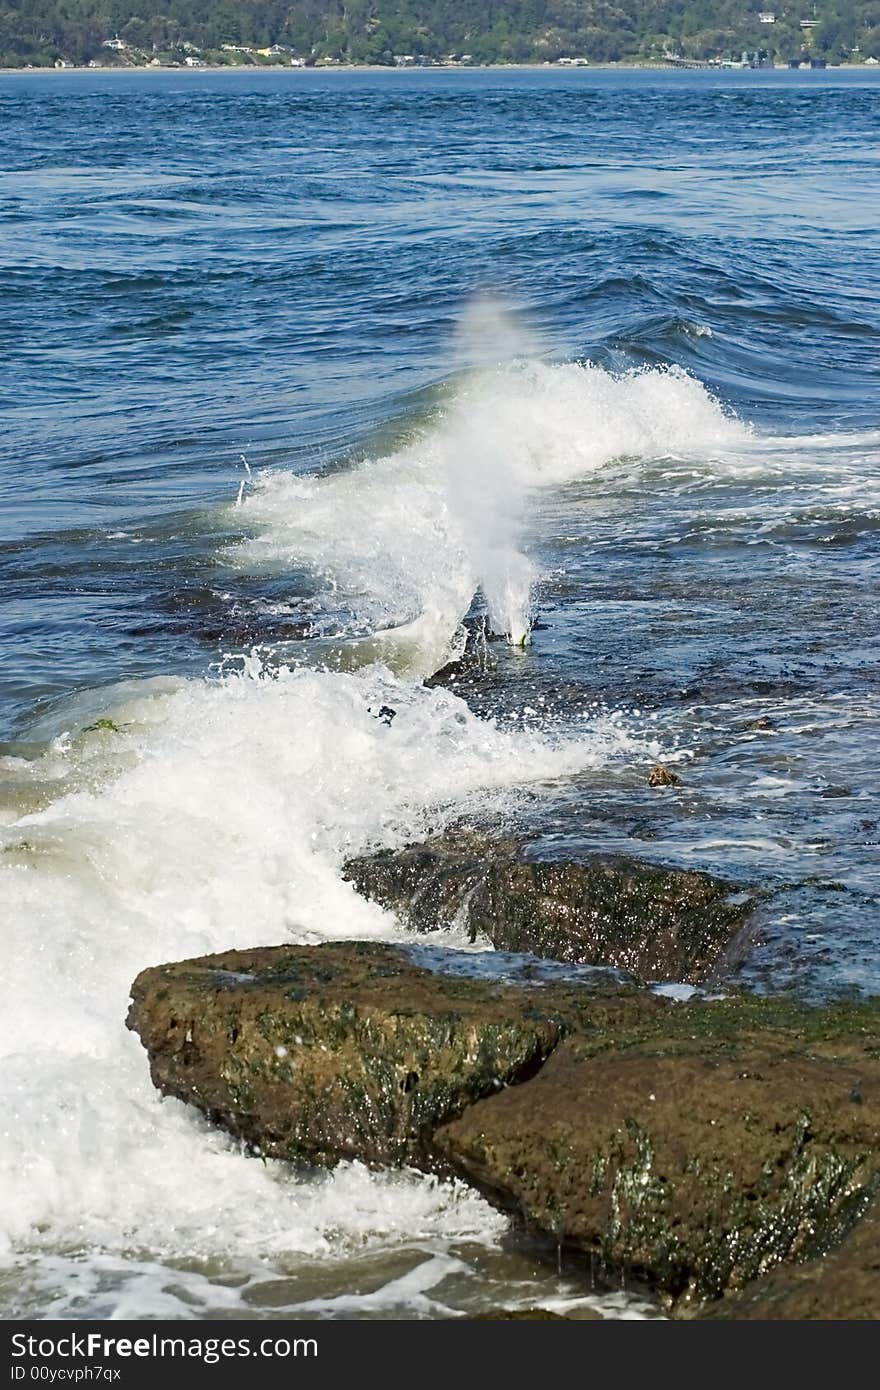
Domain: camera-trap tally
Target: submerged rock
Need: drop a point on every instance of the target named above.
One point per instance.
(317, 1054)
(659, 923)
(661, 776)
(529, 1315)
(429, 885)
(696, 1152)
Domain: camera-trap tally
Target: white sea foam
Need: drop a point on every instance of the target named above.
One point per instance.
(216, 814)
(217, 817)
(408, 539)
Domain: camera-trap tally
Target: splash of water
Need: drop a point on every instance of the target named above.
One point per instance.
(205, 815)
(209, 815)
(409, 539)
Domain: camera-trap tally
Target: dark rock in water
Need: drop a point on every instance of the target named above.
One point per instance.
(661, 776)
(266, 633)
(475, 661)
(429, 885)
(843, 1286)
(452, 673)
(761, 724)
(695, 1151)
(659, 923)
(317, 1054)
(385, 714)
(529, 1315)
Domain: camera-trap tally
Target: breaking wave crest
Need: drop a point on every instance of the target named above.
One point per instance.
(196, 816)
(407, 540)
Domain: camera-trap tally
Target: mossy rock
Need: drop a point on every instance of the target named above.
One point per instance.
(704, 1147)
(658, 923)
(317, 1054)
(690, 1147)
(843, 1286)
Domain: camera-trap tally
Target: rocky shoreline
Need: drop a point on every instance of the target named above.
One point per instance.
(722, 1152)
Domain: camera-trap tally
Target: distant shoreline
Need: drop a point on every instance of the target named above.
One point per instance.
(349, 67)
(238, 68)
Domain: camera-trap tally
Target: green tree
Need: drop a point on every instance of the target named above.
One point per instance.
(492, 30)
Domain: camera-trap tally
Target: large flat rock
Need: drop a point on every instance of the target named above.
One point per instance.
(695, 1153)
(317, 1054)
(694, 1147)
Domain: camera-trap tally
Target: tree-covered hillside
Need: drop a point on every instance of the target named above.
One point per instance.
(374, 31)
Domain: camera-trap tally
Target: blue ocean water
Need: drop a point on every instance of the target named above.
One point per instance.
(197, 265)
(296, 371)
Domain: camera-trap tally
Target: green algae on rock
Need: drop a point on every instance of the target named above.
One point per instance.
(659, 923)
(843, 1286)
(317, 1054)
(690, 1147)
(694, 1153)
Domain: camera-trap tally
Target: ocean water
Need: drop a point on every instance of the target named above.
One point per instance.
(297, 371)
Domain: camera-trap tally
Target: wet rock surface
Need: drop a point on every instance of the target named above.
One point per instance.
(661, 776)
(528, 1315)
(316, 1054)
(659, 923)
(694, 1151)
(698, 1149)
(844, 1285)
